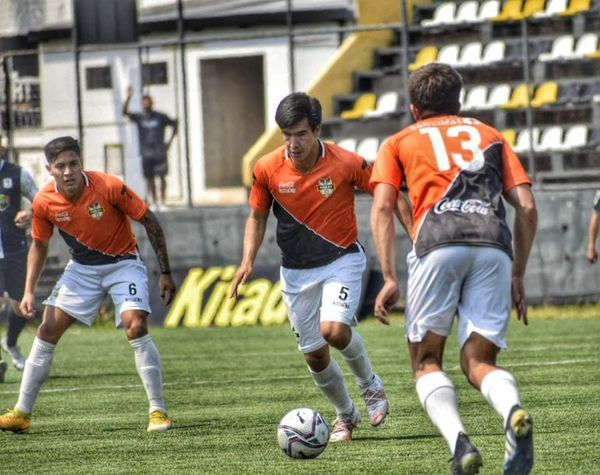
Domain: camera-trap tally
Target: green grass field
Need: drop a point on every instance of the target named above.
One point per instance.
(227, 389)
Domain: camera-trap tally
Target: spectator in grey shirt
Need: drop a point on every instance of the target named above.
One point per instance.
(151, 126)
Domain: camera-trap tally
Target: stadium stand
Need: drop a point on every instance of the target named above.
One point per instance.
(484, 41)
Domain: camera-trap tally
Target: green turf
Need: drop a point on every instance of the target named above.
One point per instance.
(227, 389)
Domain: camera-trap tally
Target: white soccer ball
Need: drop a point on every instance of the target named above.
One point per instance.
(303, 433)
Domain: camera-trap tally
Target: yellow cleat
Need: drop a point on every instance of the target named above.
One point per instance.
(15, 421)
(159, 421)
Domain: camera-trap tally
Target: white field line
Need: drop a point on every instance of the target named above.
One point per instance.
(278, 378)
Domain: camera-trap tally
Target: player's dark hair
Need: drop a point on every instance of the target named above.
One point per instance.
(297, 107)
(435, 89)
(59, 145)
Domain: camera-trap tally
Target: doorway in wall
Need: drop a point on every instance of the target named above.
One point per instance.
(233, 111)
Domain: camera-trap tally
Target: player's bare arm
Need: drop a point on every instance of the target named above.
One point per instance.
(159, 244)
(592, 254)
(385, 202)
(35, 263)
(521, 198)
(23, 218)
(128, 96)
(403, 212)
(253, 237)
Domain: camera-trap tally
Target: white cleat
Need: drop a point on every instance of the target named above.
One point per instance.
(17, 358)
(378, 406)
(343, 426)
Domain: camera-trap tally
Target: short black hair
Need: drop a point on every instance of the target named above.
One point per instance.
(59, 145)
(296, 107)
(435, 89)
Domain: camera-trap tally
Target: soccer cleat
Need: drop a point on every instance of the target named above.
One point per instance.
(467, 459)
(17, 358)
(378, 406)
(15, 421)
(343, 426)
(519, 442)
(159, 421)
(3, 367)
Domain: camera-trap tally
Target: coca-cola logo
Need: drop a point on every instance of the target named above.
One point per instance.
(462, 206)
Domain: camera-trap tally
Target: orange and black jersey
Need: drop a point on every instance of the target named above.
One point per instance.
(316, 223)
(456, 169)
(95, 227)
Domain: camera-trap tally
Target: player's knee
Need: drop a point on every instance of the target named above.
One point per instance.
(48, 333)
(338, 336)
(137, 328)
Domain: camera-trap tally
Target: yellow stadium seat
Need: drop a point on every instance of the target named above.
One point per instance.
(546, 93)
(511, 10)
(519, 98)
(577, 6)
(426, 55)
(364, 103)
(531, 7)
(510, 135)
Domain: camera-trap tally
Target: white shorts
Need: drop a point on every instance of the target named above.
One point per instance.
(327, 293)
(469, 281)
(81, 289)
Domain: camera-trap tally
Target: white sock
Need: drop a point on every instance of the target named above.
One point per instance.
(438, 398)
(331, 383)
(147, 361)
(356, 356)
(37, 369)
(500, 390)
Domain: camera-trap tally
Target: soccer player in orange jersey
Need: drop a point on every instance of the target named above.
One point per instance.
(310, 186)
(91, 211)
(458, 171)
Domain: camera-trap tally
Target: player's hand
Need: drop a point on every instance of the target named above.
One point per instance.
(240, 278)
(129, 92)
(23, 218)
(518, 296)
(592, 255)
(385, 300)
(27, 305)
(167, 287)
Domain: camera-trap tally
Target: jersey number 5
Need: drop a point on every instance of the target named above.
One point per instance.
(472, 143)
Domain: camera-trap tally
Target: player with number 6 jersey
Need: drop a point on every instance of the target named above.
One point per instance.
(458, 172)
(91, 211)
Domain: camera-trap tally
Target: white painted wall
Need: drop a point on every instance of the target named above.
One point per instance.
(101, 109)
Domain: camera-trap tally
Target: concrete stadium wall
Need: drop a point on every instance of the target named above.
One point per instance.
(558, 270)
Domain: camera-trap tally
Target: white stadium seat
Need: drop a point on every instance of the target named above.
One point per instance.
(467, 12)
(553, 7)
(470, 54)
(499, 94)
(586, 44)
(562, 48)
(575, 137)
(449, 54)
(367, 148)
(488, 10)
(550, 139)
(387, 103)
(348, 144)
(476, 98)
(524, 139)
(443, 14)
(494, 51)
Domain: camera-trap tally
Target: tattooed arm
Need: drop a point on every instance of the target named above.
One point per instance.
(159, 244)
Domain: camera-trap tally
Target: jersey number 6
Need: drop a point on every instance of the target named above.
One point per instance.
(471, 144)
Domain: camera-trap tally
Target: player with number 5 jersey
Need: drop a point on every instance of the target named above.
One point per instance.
(91, 211)
(458, 172)
(310, 186)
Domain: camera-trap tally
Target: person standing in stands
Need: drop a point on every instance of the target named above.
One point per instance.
(151, 126)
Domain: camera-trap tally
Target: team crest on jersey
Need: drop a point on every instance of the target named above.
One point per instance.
(96, 210)
(326, 186)
(4, 202)
(289, 187)
(7, 182)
